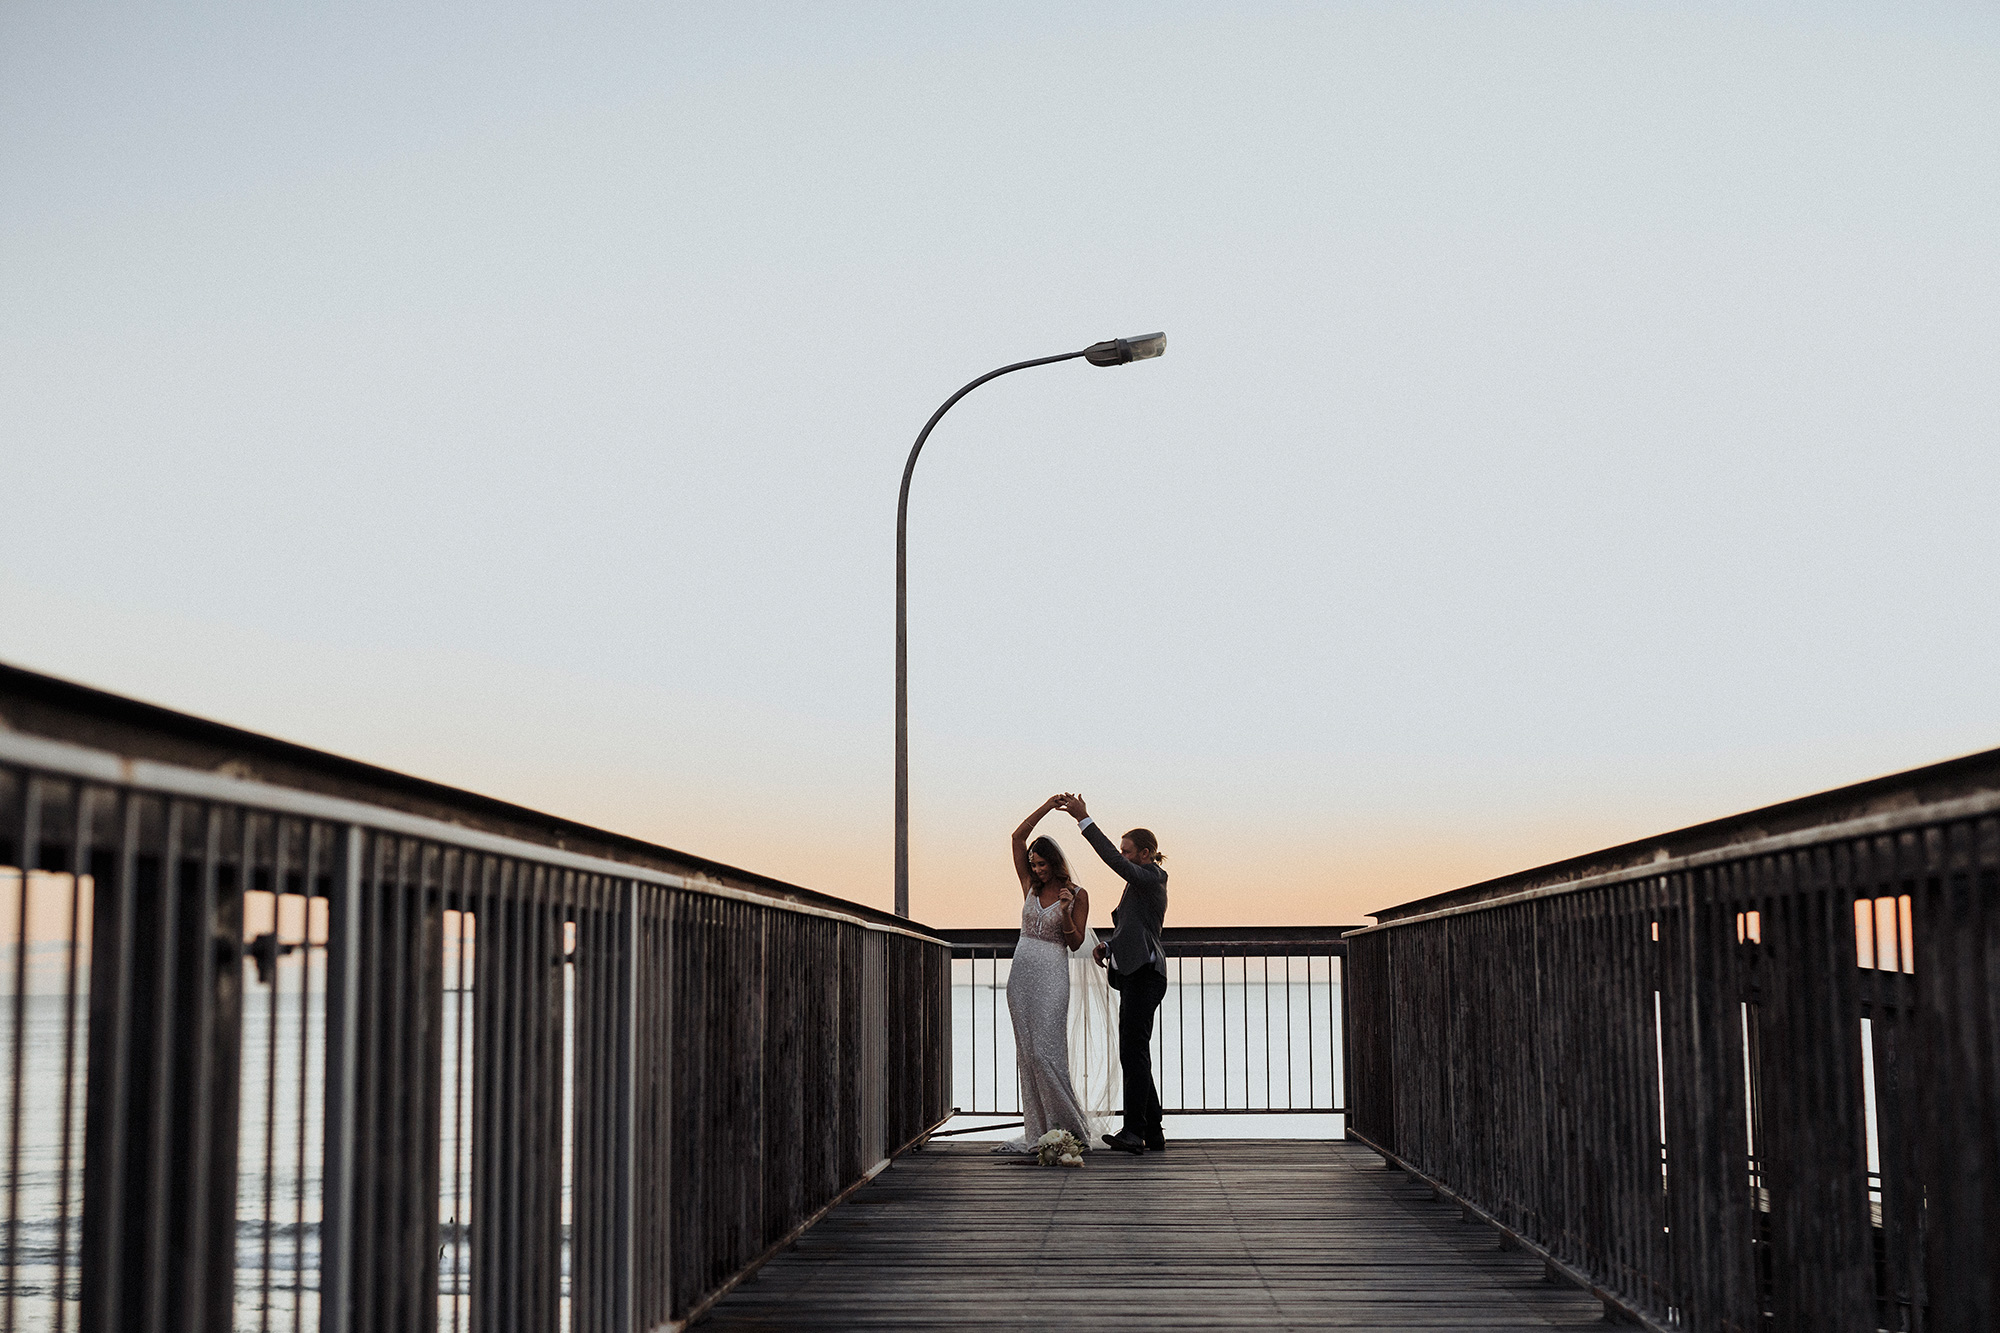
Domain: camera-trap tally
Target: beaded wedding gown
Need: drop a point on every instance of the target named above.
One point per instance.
(1067, 1052)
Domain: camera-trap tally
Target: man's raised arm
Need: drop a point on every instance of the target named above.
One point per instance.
(1132, 872)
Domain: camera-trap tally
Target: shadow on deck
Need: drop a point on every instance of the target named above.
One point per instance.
(1213, 1234)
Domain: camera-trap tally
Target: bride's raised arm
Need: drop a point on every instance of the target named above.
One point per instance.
(1021, 843)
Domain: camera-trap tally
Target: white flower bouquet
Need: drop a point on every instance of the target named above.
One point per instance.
(1059, 1147)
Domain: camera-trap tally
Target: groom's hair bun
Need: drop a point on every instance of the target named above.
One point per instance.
(1143, 839)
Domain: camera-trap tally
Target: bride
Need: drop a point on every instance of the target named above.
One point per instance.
(1060, 1004)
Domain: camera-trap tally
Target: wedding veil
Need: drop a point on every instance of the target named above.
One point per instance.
(1094, 1072)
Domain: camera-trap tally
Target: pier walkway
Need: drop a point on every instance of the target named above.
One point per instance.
(297, 1042)
(1212, 1234)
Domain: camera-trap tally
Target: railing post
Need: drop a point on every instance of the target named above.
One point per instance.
(1346, 1044)
(625, 1147)
(343, 1025)
(873, 1085)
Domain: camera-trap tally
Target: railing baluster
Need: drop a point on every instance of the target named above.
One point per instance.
(1267, 1028)
(79, 868)
(1179, 1014)
(318, 847)
(275, 984)
(30, 856)
(343, 1045)
(625, 1154)
(1312, 1087)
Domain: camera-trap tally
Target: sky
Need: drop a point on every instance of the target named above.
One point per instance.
(1578, 420)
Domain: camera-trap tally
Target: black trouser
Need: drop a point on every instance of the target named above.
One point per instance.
(1140, 994)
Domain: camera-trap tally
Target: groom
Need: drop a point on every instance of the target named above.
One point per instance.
(1138, 970)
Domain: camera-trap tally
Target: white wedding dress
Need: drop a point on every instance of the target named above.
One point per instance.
(1064, 1032)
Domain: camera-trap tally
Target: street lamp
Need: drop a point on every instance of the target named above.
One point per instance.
(1112, 352)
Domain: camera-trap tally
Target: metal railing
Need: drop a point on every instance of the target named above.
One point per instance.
(325, 1047)
(1743, 1076)
(1251, 1023)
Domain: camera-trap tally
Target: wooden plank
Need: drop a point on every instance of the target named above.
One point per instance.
(1212, 1234)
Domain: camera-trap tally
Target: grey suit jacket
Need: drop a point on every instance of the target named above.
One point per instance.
(1141, 912)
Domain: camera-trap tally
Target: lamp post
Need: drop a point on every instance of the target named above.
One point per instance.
(1113, 352)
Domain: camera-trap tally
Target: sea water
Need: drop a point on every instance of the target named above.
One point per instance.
(1254, 1040)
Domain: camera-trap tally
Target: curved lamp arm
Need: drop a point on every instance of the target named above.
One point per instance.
(1112, 352)
(909, 468)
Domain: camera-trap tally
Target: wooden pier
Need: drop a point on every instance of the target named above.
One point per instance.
(1212, 1234)
(1736, 1076)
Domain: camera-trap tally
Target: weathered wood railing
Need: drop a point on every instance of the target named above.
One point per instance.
(1743, 1076)
(293, 1042)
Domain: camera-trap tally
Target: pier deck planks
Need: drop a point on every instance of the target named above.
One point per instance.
(1212, 1234)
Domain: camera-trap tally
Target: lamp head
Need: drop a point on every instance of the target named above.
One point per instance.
(1118, 351)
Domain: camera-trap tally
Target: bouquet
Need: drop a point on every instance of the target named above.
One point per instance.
(1059, 1147)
